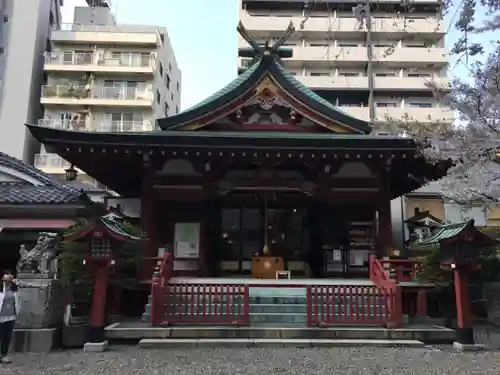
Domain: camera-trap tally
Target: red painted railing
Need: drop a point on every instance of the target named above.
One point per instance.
(347, 304)
(223, 304)
(391, 291)
(402, 270)
(159, 284)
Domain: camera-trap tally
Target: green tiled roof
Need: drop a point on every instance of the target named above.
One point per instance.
(114, 226)
(443, 233)
(247, 80)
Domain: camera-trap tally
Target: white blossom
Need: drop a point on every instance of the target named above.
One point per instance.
(473, 141)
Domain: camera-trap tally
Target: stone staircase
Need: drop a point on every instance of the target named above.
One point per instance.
(278, 306)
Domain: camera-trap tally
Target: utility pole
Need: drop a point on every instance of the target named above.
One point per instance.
(369, 51)
(363, 14)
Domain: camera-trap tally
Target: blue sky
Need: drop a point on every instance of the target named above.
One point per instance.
(204, 39)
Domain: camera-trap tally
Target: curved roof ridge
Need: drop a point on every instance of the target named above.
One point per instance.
(267, 64)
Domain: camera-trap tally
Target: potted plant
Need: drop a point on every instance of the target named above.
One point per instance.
(50, 91)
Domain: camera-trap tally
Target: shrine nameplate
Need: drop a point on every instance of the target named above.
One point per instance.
(265, 267)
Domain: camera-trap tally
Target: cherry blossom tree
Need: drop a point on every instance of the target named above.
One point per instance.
(473, 141)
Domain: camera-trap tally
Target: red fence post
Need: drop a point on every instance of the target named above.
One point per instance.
(395, 308)
(310, 321)
(422, 303)
(157, 302)
(246, 305)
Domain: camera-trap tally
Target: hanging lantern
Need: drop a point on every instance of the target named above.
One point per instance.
(71, 173)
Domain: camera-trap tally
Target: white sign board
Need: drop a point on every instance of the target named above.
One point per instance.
(187, 240)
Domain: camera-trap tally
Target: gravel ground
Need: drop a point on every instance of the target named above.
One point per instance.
(258, 361)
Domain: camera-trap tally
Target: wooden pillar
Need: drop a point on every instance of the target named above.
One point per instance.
(465, 333)
(98, 313)
(384, 217)
(148, 224)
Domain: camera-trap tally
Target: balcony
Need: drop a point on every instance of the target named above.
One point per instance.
(269, 26)
(107, 34)
(399, 56)
(421, 115)
(54, 164)
(137, 63)
(410, 114)
(380, 83)
(96, 95)
(93, 125)
(51, 163)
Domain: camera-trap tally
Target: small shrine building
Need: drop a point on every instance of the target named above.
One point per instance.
(263, 166)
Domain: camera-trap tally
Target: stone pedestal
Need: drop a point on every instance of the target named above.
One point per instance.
(41, 303)
(41, 313)
(491, 294)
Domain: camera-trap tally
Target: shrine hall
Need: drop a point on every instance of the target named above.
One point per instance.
(262, 169)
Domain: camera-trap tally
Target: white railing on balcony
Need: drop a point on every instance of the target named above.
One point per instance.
(96, 92)
(107, 28)
(96, 125)
(121, 93)
(63, 124)
(50, 161)
(124, 59)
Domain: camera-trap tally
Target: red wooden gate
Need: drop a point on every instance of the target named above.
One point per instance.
(347, 304)
(206, 304)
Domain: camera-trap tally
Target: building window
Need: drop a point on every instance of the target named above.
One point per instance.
(6, 19)
(176, 109)
(319, 74)
(125, 121)
(420, 105)
(178, 86)
(2, 50)
(419, 75)
(385, 74)
(172, 96)
(158, 97)
(386, 105)
(348, 74)
(169, 67)
(161, 69)
(167, 81)
(166, 109)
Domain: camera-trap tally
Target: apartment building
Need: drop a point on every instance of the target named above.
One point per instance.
(106, 77)
(332, 47)
(25, 28)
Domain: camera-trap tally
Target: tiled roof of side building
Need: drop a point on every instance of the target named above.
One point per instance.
(48, 190)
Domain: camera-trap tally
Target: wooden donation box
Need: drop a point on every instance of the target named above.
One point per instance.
(265, 267)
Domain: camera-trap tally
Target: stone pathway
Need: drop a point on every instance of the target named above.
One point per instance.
(255, 361)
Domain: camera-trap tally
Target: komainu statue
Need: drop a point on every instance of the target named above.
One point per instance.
(41, 258)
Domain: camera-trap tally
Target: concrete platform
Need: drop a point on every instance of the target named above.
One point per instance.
(279, 343)
(35, 340)
(136, 331)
